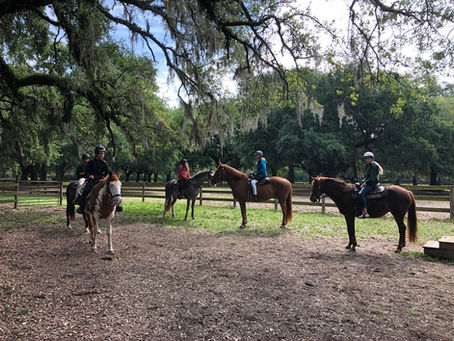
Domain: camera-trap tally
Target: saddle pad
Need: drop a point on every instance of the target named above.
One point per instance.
(264, 181)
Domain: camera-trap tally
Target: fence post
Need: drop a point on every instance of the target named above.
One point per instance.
(323, 206)
(60, 193)
(200, 196)
(143, 191)
(16, 195)
(451, 202)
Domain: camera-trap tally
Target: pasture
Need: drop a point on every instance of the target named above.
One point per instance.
(208, 280)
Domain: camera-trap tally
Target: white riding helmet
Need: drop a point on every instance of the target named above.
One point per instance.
(368, 154)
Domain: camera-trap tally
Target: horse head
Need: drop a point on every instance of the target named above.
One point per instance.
(316, 189)
(114, 188)
(218, 175)
(210, 178)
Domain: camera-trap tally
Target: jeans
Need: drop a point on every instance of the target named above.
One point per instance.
(362, 195)
(254, 186)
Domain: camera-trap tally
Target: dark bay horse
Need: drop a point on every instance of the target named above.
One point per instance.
(279, 188)
(190, 190)
(70, 207)
(396, 200)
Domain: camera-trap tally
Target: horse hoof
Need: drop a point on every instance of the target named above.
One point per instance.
(99, 232)
(348, 247)
(398, 250)
(242, 226)
(111, 252)
(283, 226)
(353, 249)
(87, 230)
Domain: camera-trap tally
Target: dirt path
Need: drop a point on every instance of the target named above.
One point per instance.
(175, 284)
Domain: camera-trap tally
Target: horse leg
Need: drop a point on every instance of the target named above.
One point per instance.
(350, 220)
(187, 210)
(402, 228)
(192, 208)
(93, 231)
(110, 249)
(243, 214)
(174, 200)
(283, 204)
(87, 223)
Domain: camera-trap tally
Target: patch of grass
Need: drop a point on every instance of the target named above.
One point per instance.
(421, 255)
(22, 311)
(8, 309)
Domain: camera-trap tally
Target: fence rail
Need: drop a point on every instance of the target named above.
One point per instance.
(52, 192)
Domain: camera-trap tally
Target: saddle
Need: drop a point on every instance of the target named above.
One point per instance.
(261, 182)
(378, 192)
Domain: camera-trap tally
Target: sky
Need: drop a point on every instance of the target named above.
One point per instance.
(336, 10)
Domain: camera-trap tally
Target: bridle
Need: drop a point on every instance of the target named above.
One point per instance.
(110, 192)
(220, 177)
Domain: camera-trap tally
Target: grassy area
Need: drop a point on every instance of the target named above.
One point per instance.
(226, 220)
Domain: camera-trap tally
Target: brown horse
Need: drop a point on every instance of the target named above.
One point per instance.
(396, 200)
(279, 188)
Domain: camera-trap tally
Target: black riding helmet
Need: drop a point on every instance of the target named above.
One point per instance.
(183, 161)
(100, 149)
(85, 156)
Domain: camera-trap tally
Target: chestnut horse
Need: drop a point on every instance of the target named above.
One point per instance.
(396, 200)
(279, 188)
(102, 203)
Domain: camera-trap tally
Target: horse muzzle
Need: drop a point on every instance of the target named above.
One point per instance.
(117, 199)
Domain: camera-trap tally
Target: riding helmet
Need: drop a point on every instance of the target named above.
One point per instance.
(259, 152)
(368, 154)
(183, 161)
(99, 149)
(86, 156)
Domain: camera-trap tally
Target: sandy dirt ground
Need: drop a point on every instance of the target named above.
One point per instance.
(167, 283)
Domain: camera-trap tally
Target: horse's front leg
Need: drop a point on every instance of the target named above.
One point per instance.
(350, 219)
(93, 231)
(192, 208)
(87, 223)
(243, 214)
(187, 210)
(110, 249)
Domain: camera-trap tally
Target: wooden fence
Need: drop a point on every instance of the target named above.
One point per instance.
(33, 193)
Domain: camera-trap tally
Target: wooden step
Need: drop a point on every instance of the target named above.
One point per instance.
(447, 243)
(432, 248)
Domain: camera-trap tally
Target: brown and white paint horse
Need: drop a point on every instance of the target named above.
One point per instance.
(102, 203)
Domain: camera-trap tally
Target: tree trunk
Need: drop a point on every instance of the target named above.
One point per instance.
(434, 178)
(43, 172)
(155, 177)
(414, 180)
(138, 176)
(35, 171)
(291, 172)
(169, 174)
(59, 172)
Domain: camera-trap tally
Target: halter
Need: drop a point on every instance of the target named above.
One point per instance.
(110, 192)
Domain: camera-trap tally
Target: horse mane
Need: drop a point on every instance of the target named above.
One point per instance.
(200, 174)
(234, 172)
(340, 184)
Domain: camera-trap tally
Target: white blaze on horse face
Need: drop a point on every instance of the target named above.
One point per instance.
(115, 189)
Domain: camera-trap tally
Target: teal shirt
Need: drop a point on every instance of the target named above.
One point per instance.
(371, 175)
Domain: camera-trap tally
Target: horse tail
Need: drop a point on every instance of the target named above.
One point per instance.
(412, 221)
(290, 205)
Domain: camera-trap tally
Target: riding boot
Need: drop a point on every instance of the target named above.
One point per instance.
(254, 197)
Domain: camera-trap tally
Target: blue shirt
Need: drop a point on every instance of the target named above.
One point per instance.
(261, 170)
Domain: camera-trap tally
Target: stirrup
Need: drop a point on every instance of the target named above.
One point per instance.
(254, 198)
(364, 216)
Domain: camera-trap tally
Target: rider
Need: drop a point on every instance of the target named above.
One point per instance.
(97, 169)
(370, 181)
(260, 174)
(80, 171)
(183, 177)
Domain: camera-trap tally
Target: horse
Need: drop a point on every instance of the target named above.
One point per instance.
(190, 191)
(278, 187)
(395, 199)
(70, 207)
(102, 203)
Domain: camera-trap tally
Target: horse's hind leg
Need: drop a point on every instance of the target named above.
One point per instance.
(174, 200)
(187, 210)
(402, 228)
(283, 204)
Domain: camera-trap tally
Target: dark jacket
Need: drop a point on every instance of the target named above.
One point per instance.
(81, 169)
(261, 170)
(98, 168)
(371, 175)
